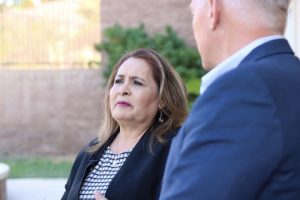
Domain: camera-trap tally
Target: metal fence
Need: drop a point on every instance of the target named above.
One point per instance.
(53, 34)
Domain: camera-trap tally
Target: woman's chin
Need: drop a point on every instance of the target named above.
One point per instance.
(122, 119)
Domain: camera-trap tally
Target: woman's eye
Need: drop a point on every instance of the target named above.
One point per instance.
(137, 83)
(117, 81)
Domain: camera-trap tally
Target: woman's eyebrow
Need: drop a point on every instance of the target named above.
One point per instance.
(136, 77)
(131, 77)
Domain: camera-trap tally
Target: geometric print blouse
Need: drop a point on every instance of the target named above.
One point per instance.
(101, 175)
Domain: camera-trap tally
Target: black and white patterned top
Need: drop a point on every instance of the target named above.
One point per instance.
(101, 175)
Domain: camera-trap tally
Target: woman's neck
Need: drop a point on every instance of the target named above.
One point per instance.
(127, 138)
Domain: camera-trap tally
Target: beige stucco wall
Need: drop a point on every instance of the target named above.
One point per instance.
(48, 111)
(154, 14)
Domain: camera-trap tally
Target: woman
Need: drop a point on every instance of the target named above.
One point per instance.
(145, 103)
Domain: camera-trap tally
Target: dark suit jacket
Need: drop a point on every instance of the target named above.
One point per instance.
(242, 138)
(139, 178)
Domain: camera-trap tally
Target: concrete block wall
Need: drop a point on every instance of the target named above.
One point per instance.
(49, 112)
(154, 14)
(55, 112)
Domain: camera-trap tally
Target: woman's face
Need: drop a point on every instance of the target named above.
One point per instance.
(134, 94)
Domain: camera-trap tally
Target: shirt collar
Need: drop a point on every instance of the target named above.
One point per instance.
(232, 62)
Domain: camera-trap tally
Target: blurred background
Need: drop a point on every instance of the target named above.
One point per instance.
(55, 57)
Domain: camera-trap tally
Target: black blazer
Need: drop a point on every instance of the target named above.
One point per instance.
(139, 178)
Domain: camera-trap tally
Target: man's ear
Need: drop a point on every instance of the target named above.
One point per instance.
(214, 14)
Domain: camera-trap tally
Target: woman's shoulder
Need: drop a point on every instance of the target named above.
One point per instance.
(86, 149)
(164, 144)
(172, 133)
(93, 142)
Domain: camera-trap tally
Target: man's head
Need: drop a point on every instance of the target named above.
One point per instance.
(221, 27)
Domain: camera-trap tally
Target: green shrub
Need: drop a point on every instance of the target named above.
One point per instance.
(119, 40)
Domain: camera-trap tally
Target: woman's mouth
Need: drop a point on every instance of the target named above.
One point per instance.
(123, 104)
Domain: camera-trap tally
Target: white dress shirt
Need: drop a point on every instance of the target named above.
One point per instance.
(233, 61)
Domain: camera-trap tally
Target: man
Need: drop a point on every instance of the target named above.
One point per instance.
(242, 138)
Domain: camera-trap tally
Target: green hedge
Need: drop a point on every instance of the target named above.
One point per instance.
(186, 60)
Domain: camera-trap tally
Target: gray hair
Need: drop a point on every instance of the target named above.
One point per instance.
(271, 14)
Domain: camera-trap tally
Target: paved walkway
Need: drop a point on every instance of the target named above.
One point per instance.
(35, 189)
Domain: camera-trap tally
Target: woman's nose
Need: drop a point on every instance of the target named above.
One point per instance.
(124, 93)
(124, 89)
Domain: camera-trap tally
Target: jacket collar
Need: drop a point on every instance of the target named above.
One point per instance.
(278, 46)
(96, 156)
